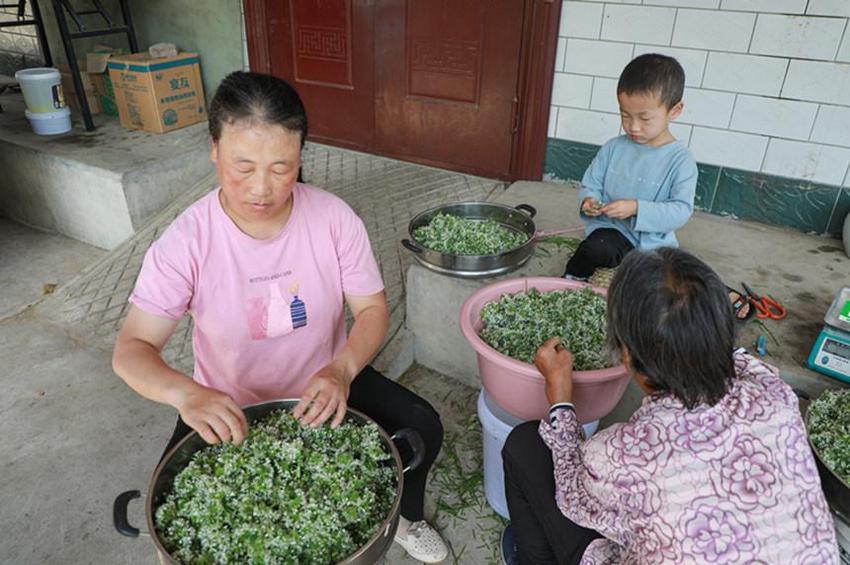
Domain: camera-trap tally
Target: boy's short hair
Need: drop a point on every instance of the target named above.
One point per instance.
(672, 313)
(654, 73)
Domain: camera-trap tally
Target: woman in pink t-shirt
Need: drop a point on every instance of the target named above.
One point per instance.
(266, 265)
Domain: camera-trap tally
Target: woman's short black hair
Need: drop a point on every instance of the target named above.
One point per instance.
(672, 313)
(254, 96)
(653, 73)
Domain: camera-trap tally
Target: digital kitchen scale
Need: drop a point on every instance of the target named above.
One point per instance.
(831, 352)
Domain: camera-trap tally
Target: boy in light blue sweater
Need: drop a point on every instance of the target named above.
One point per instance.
(640, 186)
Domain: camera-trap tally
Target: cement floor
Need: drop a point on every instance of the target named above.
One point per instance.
(74, 435)
(26, 276)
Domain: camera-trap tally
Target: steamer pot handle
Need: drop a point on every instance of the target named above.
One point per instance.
(417, 446)
(528, 209)
(119, 514)
(411, 246)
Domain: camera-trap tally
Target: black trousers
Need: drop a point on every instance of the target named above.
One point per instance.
(604, 247)
(543, 534)
(393, 407)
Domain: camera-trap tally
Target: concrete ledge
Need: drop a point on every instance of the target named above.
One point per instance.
(97, 187)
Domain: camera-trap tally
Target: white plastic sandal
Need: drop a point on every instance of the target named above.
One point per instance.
(424, 543)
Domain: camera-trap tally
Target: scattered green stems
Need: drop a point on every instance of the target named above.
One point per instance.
(451, 234)
(288, 494)
(457, 482)
(560, 242)
(829, 430)
(518, 324)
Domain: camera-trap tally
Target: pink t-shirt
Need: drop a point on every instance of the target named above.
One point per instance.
(268, 313)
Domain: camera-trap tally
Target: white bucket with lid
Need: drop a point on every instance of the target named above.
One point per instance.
(42, 88)
(496, 424)
(50, 123)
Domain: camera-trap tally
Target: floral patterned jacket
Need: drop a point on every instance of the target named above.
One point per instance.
(731, 483)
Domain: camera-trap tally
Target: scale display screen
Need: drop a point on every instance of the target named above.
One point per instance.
(836, 348)
(831, 354)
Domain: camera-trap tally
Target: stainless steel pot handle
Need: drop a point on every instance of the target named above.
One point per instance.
(411, 246)
(417, 446)
(119, 514)
(528, 209)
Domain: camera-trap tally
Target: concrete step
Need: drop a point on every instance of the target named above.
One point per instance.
(98, 187)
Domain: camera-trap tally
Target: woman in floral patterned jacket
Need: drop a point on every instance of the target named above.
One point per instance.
(714, 467)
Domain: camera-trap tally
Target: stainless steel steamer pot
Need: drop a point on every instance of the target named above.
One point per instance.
(835, 489)
(518, 219)
(180, 455)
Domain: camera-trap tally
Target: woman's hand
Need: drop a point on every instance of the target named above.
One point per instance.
(591, 207)
(326, 394)
(213, 414)
(555, 363)
(620, 209)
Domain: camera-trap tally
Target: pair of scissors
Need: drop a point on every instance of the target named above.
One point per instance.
(766, 306)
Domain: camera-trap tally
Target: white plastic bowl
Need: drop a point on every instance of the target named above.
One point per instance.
(50, 123)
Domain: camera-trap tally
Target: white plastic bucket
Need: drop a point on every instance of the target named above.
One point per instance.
(42, 88)
(50, 123)
(496, 424)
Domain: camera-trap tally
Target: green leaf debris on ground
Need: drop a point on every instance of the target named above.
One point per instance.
(455, 235)
(518, 324)
(455, 500)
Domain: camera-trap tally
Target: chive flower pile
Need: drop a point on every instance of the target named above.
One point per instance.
(829, 430)
(287, 494)
(454, 235)
(518, 324)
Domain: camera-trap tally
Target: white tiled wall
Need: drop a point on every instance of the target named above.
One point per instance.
(767, 81)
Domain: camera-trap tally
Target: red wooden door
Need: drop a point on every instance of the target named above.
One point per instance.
(324, 49)
(433, 81)
(446, 75)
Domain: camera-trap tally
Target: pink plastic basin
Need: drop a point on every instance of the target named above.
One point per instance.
(519, 387)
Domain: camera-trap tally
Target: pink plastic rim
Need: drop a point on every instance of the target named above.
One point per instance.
(470, 325)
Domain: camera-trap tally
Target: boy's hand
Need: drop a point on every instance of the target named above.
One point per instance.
(591, 207)
(620, 209)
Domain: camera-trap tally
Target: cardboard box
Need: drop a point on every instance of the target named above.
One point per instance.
(89, 87)
(158, 95)
(96, 66)
(105, 93)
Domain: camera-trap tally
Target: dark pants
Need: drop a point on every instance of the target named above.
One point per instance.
(543, 534)
(602, 248)
(393, 407)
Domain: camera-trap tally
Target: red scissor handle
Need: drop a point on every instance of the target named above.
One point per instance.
(769, 308)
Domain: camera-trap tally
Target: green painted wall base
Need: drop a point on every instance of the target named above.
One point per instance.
(805, 206)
